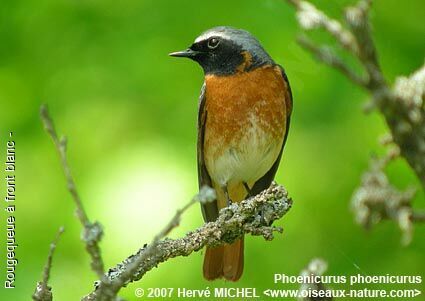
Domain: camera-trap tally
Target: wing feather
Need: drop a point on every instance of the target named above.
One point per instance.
(210, 210)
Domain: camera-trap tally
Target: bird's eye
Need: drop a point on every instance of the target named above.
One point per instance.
(213, 43)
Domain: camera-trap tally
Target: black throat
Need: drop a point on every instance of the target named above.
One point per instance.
(228, 60)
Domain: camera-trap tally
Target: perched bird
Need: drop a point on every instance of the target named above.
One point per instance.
(243, 122)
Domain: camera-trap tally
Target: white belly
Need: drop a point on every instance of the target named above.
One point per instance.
(247, 158)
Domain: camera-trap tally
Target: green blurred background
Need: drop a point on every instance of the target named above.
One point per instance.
(130, 111)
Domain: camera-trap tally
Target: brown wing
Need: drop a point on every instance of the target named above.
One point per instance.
(265, 181)
(210, 210)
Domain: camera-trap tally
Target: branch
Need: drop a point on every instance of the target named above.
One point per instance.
(326, 56)
(43, 292)
(254, 216)
(108, 289)
(92, 233)
(309, 17)
(402, 106)
(377, 199)
(403, 109)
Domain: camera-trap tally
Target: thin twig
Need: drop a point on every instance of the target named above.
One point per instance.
(254, 216)
(92, 233)
(325, 55)
(110, 289)
(402, 107)
(43, 292)
(309, 17)
(357, 18)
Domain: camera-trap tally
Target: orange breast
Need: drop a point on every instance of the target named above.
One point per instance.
(245, 110)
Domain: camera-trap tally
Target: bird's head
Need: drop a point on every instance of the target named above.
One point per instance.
(225, 50)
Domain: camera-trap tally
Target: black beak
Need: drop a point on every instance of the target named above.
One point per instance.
(185, 53)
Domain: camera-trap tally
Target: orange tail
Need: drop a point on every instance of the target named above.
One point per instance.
(225, 261)
(213, 263)
(233, 260)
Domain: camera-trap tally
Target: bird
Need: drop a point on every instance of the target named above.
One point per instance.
(244, 113)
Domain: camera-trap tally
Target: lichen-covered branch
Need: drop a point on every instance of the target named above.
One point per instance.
(108, 289)
(377, 199)
(43, 292)
(252, 216)
(92, 232)
(402, 105)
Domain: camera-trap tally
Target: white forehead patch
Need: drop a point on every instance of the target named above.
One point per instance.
(210, 34)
